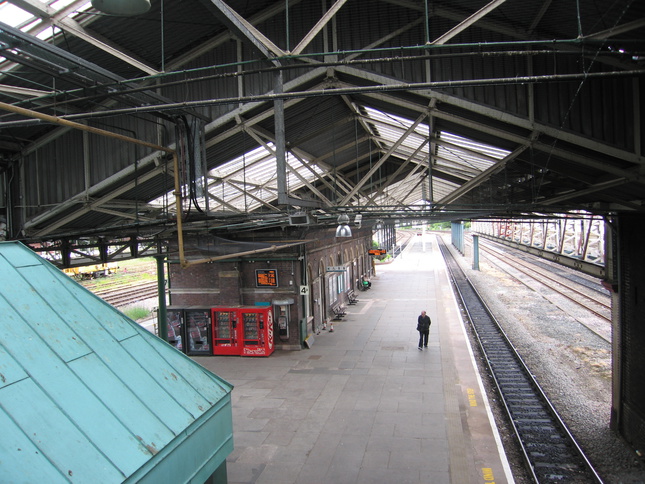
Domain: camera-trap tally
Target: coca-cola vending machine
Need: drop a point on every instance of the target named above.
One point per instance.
(243, 331)
(225, 331)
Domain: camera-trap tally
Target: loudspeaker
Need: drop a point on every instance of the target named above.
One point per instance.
(299, 219)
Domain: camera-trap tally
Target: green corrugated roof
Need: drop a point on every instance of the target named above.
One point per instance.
(87, 395)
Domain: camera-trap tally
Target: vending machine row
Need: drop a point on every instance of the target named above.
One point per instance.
(222, 331)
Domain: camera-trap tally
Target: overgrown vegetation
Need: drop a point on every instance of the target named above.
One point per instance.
(135, 313)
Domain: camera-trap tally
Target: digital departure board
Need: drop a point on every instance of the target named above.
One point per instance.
(266, 278)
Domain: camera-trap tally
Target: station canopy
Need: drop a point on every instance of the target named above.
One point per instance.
(395, 110)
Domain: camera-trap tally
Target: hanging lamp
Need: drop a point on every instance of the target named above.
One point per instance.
(343, 229)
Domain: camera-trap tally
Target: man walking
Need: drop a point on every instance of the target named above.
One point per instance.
(423, 327)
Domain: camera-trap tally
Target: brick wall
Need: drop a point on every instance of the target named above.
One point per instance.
(234, 282)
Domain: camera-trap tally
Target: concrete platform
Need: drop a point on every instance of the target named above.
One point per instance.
(363, 404)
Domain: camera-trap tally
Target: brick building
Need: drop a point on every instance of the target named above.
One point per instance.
(303, 274)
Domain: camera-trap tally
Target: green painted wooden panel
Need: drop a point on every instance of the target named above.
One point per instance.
(203, 381)
(118, 325)
(173, 381)
(48, 427)
(87, 395)
(129, 407)
(21, 462)
(66, 391)
(34, 310)
(195, 455)
(10, 369)
(128, 368)
(75, 304)
(17, 254)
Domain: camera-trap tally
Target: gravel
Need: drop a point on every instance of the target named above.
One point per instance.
(571, 364)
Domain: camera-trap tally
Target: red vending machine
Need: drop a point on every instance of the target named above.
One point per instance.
(243, 331)
(225, 338)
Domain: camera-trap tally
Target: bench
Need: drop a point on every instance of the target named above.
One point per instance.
(351, 297)
(339, 311)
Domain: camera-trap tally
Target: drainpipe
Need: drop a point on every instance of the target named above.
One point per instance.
(162, 319)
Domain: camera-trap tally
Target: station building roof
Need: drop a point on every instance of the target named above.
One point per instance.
(87, 395)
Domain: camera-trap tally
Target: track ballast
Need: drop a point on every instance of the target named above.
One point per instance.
(550, 450)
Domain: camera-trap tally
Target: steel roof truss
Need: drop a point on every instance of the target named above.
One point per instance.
(482, 177)
(244, 29)
(61, 20)
(456, 30)
(127, 215)
(329, 14)
(398, 171)
(492, 113)
(383, 159)
(87, 207)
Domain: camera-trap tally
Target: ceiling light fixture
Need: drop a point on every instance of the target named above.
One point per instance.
(343, 229)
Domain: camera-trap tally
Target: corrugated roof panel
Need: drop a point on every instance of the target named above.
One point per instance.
(87, 395)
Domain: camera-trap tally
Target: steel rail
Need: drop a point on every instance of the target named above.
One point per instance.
(597, 331)
(550, 450)
(524, 268)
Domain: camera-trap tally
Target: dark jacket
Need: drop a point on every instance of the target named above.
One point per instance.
(424, 323)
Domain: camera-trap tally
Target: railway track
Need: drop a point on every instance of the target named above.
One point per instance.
(549, 449)
(123, 296)
(574, 289)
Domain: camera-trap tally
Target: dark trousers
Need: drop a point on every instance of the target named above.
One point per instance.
(423, 338)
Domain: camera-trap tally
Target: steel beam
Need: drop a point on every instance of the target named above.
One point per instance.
(318, 27)
(60, 19)
(474, 18)
(383, 159)
(244, 30)
(573, 241)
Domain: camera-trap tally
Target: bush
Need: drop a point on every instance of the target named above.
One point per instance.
(135, 313)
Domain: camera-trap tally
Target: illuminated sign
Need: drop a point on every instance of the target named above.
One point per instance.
(266, 278)
(377, 252)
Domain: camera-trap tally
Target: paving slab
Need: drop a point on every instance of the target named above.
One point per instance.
(363, 404)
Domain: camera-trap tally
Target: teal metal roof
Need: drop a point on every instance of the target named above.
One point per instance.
(87, 395)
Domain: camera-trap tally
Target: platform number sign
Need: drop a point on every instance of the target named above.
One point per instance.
(266, 278)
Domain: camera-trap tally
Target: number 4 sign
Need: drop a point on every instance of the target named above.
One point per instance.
(304, 290)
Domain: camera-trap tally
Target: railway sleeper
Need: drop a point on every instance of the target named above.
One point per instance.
(544, 450)
(520, 412)
(559, 467)
(516, 385)
(537, 436)
(521, 397)
(537, 429)
(548, 457)
(506, 368)
(525, 414)
(534, 422)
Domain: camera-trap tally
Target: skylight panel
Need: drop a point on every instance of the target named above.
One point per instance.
(27, 22)
(14, 16)
(254, 172)
(482, 148)
(48, 33)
